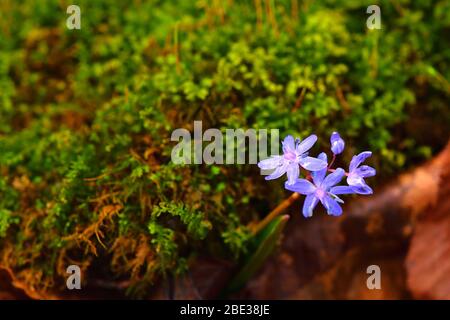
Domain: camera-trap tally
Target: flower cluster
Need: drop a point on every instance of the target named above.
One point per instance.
(318, 186)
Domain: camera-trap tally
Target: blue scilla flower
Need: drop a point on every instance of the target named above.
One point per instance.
(357, 173)
(337, 143)
(294, 155)
(322, 188)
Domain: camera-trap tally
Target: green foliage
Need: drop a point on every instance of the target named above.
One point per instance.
(236, 237)
(262, 247)
(86, 118)
(194, 221)
(6, 220)
(164, 241)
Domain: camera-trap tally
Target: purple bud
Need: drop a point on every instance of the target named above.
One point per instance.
(337, 143)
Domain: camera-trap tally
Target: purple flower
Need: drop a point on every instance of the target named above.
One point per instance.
(337, 143)
(357, 173)
(323, 189)
(294, 154)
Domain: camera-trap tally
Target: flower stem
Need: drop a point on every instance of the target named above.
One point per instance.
(275, 212)
(332, 161)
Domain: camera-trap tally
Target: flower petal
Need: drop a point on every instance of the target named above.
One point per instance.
(308, 206)
(342, 190)
(301, 186)
(279, 171)
(288, 144)
(333, 208)
(366, 171)
(319, 175)
(360, 158)
(292, 172)
(270, 163)
(337, 143)
(306, 144)
(354, 179)
(333, 178)
(312, 164)
(362, 189)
